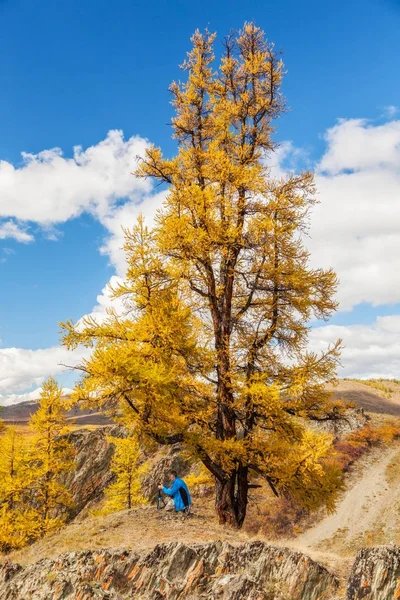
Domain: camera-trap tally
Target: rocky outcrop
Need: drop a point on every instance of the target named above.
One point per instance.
(375, 574)
(173, 571)
(162, 465)
(91, 473)
(212, 571)
(353, 419)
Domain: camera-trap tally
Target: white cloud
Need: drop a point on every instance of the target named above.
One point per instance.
(10, 229)
(49, 188)
(356, 227)
(106, 302)
(369, 350)
(355, 144)
(124, 217)
(21, 369)
(390, 111)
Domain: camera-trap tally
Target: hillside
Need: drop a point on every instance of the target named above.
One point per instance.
(363, 395)
(367, 514)
(20, 414)
(147, 554)
(372, 399)
(381, 401)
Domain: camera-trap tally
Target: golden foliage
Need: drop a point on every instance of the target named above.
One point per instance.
(18, 523)
(51, 456)
(212, 351)
(33, 501)
(199, 479)
(125, 492)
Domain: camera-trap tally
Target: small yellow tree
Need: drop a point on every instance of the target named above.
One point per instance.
(18, 521)
(14, 469)
(51, 456)
(125, 492)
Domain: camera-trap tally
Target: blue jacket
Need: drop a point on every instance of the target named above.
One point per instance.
(175, 493)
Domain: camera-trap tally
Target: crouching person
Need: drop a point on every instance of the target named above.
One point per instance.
(178, 492)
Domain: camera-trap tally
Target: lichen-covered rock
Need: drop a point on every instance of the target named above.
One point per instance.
(375, 574)
(174, 571)
(91, 473)
(352, 420)
(156, 475)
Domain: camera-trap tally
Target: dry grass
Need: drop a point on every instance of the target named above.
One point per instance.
(374, 396)
(392, 472)
(386, 386)
(143, 528)
(138, 529)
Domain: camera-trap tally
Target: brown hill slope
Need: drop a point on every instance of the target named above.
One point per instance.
(20, 414)
(363, 394)
(371, 399)
(368, 512)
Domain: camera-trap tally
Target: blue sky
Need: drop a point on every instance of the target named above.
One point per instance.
(72, 70)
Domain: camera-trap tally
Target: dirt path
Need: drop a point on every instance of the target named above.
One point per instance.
(360, 506)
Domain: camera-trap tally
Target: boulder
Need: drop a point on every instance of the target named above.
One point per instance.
(91, 473)
(375, 574)
(353, 419)
(173, 459)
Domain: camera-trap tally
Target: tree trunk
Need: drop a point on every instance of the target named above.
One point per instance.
(242, 493)
(232, 497)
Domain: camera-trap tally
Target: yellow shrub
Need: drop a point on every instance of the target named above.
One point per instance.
(199, 480)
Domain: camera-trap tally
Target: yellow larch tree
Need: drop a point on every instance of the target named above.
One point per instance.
(125, 492)
(18, 520)
(213, 352)
(13, 466)
(50, 458)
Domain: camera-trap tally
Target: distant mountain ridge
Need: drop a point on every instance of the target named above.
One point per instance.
(361, 394)
(21, 413)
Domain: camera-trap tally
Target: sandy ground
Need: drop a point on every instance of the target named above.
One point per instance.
(365, 502)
